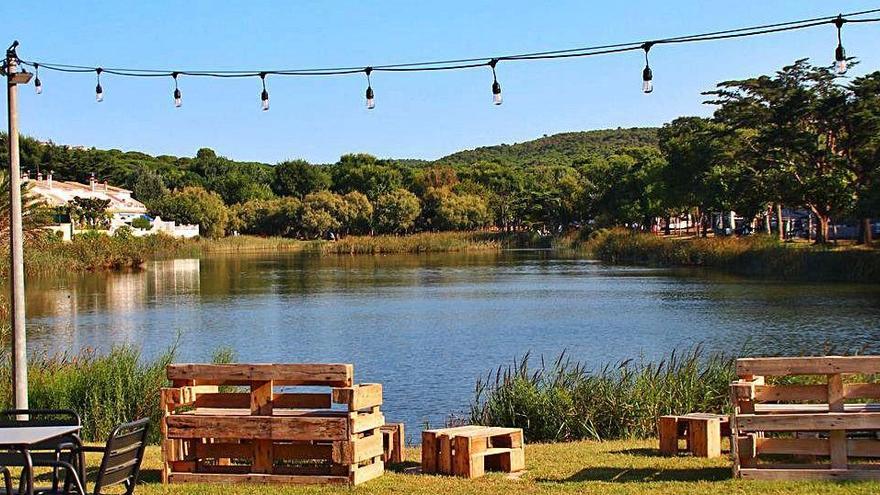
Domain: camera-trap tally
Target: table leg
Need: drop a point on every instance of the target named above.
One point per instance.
(28, 468)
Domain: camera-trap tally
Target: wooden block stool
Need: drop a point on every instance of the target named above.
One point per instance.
(468, 451)
(393, 442)
(702, 431)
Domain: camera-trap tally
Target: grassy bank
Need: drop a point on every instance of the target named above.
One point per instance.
(44, 255)
(623, 467)
(564, 401)
(755, 256)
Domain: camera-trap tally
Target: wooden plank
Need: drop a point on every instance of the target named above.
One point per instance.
(256, 478)
(704, 437)
(444, 454)
(791, 393)
(464, 464)
(793, 446)
(808, 422)
(863, 448)
(746, 451)
(261, 405)
(861, 390)
(809, 474)
(279, 428)
(302, 451)
(279, 401)
(668, 430)
(429, 452)
(837, 438)
(333, 375)
(361, 422)
(363, 396)
(825, 365)
(365, 473)
(394, 442)
(358, 450)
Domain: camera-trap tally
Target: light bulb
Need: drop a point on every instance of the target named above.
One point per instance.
(99, 93)
(371, 98)
(496, 93)
(840, 59)
(38, 86)
(264, 97)
(647, 80)
(178, 101)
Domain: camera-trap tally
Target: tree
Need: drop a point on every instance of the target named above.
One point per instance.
(396, 211)
(322, 212)
(267, 217)
(34, 212)
(365, 173)
(148, 186)
(298, 177)
(795, 135)
(358, 217)
(91, 212)
(194, 205)
(863, 145)
(462, 212)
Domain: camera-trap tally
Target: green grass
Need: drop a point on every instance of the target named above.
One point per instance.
(564, 400)
(758, 256)
(608, 468)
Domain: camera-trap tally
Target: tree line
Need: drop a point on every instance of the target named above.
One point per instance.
(804, 137)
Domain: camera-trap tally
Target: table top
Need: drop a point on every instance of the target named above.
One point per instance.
(30, 435)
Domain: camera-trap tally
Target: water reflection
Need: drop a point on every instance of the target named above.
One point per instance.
(426, 326)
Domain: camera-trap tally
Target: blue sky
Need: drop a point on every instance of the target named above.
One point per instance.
(424, 115)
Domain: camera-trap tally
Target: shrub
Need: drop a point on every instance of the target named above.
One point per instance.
(396, 212)
(194, 205)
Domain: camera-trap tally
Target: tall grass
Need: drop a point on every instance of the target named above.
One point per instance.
(761, 256)
(425, 242)
(564, 400)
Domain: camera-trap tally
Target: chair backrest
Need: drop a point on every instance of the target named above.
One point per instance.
(123, 456)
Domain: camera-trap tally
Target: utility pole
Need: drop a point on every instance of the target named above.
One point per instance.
(16, 246)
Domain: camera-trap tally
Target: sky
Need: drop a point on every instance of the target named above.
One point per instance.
(421, 115)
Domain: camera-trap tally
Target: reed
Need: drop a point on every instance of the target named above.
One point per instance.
(426, 242)
(756, 256)
(565, 401)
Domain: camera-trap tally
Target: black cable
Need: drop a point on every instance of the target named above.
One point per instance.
(467, 63)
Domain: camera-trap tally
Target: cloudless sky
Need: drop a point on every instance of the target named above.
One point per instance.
(422, 115)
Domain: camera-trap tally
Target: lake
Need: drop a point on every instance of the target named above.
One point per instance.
(427, 326)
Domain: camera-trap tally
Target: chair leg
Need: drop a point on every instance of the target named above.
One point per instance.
(7, 481)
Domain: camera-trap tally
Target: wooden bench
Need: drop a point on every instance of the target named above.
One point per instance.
(832, 417)
(256, 429)
(702, 432)
(469, 451)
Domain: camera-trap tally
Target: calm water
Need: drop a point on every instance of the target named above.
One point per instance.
(428, 326)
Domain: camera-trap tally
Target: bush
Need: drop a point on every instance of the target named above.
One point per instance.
(142, 223)
(194, 205)
(396, 212)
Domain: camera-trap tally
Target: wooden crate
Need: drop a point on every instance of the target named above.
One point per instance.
(468, 451)
(702, 431)
(259, 434)
(394, 443)
(829, 430)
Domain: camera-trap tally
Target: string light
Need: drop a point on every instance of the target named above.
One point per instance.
(264, 96)
(840, 53)
(496, 86)
(647, 73)
(178, 101)
(99, 91)
(468, 63)
(371, 98)
(38, 85)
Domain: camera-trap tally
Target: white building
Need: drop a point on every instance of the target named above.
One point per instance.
(122, 208)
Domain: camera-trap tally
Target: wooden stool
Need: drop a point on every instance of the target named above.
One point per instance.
(702, 431)
(393, 442)
(468, 451)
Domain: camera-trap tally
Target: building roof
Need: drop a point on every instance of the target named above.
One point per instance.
(59, 193)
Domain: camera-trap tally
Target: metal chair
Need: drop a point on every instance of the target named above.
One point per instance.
(121, 463)
(56, 450)
(7, 479)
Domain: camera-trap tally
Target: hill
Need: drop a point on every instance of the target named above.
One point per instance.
(558, 149)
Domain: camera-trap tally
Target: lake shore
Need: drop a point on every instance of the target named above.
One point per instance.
(756, 256)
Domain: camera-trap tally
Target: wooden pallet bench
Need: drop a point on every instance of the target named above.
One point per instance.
(393, 443)
(235, 423)
(702, 432)
(835, 419)
(469, 451)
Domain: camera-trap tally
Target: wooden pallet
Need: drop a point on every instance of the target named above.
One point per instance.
(468, 451)
(702, 431)
(806, 421)
(393, 443)
(260, 434)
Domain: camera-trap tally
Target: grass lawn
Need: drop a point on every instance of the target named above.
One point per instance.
(615, 467)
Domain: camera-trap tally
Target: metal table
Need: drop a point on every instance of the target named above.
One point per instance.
(22, 438)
